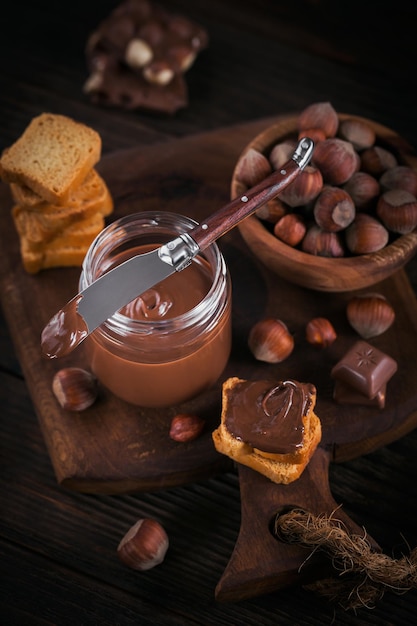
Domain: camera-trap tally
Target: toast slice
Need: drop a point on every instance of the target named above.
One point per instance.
(92, 186)
(52, 156)
(40, 225)
(66, 249)
(67, 256)
(280, 467)
(81, 231)
(24, 196)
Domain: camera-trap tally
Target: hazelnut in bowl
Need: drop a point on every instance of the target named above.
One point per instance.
(349, 219)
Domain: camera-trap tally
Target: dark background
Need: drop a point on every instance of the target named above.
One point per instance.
(265, 58)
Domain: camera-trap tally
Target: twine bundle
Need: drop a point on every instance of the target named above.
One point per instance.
(364, 575)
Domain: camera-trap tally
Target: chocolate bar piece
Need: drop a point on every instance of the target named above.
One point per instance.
(345, 394)
(138, 55)
(365, 368)
(119, 87)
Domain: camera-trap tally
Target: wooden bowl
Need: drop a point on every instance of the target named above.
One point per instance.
(322, 273)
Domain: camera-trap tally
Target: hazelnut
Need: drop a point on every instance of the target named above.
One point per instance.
(252, 168)
(400, 177)
(272, 210)
(144, 546)
(186, 427)
(305, 188)
(397, 209)
(334, 209)
(322, 243)
(365, 235)
(320, 332)
(270, 341)
(316, 134)
(370, 314)
(363, 188)
(281, 153)
(290, 229)
(320, 115)
(377, 160)
(360, 134)
(336, 159)
(138, 53)
(75, 388)
(158, 73)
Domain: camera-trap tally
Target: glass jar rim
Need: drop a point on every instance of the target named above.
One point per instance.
(169, 224)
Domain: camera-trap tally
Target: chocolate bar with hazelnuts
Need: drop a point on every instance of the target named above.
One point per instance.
(138, 55)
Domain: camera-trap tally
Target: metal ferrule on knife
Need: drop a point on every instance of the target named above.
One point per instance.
(303, 152)
(179, 252)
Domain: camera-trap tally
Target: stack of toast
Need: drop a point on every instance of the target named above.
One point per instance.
(61, 200)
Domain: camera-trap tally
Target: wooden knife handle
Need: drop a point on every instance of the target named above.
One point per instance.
(226, 218)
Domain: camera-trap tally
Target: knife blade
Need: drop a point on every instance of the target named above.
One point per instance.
(125, 282)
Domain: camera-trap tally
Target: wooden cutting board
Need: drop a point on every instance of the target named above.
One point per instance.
(117, 448)
(114, 447)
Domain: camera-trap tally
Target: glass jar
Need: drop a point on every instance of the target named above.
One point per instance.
(173, 342)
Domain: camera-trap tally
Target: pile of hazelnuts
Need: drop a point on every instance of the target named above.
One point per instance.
(354, 196)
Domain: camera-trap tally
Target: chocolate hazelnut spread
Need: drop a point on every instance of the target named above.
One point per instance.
(174, 296)
(270, 417)
(170, 343)
(65, 330)
(162, 365)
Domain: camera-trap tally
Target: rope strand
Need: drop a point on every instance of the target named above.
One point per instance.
(366, 574)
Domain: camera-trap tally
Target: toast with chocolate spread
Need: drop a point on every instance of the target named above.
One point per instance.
(270, 427)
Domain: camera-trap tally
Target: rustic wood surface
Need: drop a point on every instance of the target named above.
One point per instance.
(94, 452)
(58, 547)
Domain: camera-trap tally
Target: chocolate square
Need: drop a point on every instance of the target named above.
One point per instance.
(365, 368)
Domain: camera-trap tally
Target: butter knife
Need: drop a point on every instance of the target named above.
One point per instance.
(125, 282)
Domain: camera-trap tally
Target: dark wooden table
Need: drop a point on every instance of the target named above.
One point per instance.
(58, 547)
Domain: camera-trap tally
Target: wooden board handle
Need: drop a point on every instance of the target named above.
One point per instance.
(258, 555)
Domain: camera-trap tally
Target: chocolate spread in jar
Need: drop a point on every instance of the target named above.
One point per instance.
(174, 296)
(270, 417)
(162, 362)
